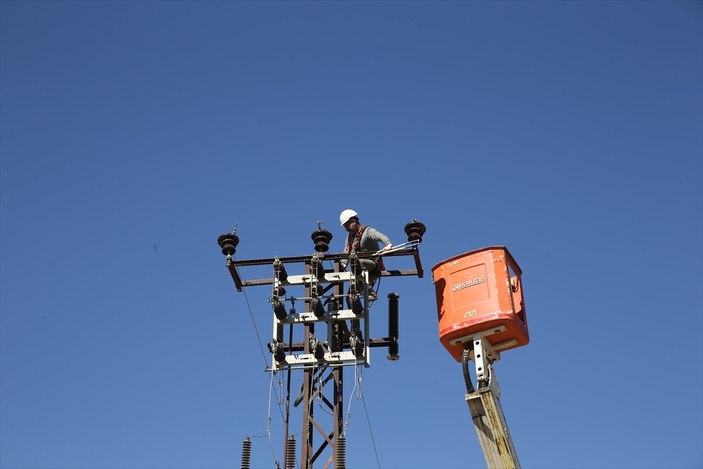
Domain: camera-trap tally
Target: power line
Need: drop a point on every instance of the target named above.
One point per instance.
(271, 387)
(256, 330)
(373, 441)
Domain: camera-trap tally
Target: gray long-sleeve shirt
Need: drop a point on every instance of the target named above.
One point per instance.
(369, 241)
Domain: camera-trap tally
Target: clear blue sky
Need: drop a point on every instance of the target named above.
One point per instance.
(133, 133)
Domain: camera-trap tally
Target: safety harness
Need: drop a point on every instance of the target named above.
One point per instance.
(355, 246)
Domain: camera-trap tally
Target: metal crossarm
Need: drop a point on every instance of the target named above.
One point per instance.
(235, 265)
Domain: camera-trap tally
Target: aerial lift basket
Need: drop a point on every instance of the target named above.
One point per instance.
(480, 292)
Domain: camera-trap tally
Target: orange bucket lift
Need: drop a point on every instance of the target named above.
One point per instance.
(479, 293)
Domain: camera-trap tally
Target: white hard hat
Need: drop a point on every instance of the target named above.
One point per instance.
(346, 215)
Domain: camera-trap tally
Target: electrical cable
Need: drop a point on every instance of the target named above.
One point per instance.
(271, 388)
(321, 404)
(268, 424)
(346, 418)
(465, 368)
(373, 440)
(377, 287)
(256, 330)
(359, 395)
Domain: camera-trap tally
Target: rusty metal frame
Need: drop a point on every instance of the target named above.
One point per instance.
(239, 283)
(338, 341)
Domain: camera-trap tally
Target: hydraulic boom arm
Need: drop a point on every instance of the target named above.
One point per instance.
(486, 411)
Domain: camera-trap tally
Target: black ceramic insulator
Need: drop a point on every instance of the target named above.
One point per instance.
(319, 351)
(279, 309)
(246, 453)
(290, 453)
(336, 341)
(317, 307)
(280, 269)
(333, 304)
(340, 461)
(228, 242)
(355, 303)
(393, 329)
(279, 355)
(322, 239)
(358, 349)
(318, 269)
(415, 230)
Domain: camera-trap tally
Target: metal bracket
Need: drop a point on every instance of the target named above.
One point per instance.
(485, 333)
(308, 316)
(308, 360)
(484, 355)
(330, 358)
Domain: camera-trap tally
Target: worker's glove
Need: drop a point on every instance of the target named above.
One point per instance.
(388, 247)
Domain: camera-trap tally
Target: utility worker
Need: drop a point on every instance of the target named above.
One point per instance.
(364, 239)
